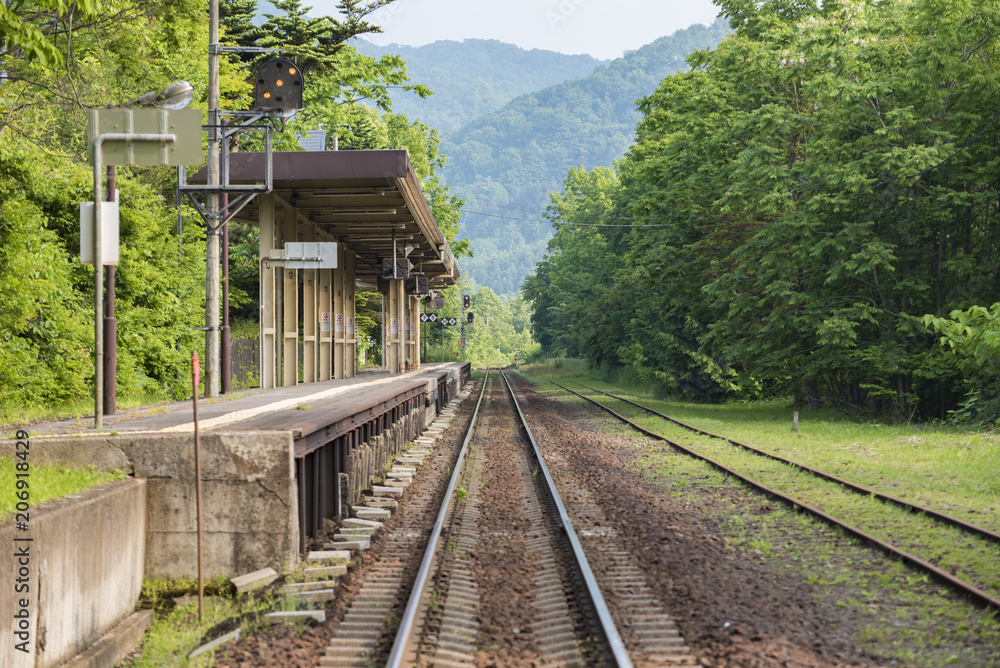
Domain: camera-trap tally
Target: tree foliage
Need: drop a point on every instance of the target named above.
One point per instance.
(800, 199)
(63, 59)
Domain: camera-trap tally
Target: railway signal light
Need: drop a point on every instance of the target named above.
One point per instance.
(278, 85)
(466, 302)
(468, 318)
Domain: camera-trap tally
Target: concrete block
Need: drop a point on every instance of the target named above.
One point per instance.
(248, 491)
(364, 538)
(324, 573)
(363, 524)
(255, 580)
(228, 505)
(295, 587)
(373, 502)
(385, 490)
(114, 645)
(86, 557)
(371, 513)
(328, 555)
(224, 553)
(296, 616)
(218, 642)
(318, 596)
(347, 545)
(396, 483)
(409, 460)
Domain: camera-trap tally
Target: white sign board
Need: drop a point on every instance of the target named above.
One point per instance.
(350, 324)
(325, 251)
(109, 232)
(340, 322)
(324, 321)
(394, 325)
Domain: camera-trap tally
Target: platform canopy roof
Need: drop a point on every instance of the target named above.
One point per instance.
(359, 197)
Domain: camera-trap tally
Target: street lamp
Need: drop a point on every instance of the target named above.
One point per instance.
(174, 97)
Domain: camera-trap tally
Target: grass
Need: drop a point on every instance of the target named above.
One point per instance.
(952, 469)
(176, 631)
(47, 482)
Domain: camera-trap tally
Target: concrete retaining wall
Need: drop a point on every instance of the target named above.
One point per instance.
(248, 495)
(85, 566)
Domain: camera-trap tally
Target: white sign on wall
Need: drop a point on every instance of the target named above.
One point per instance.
(324, 321)
(350, 324)
(394, 325)
(340, 322)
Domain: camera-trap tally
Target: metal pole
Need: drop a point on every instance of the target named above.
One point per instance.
(227, 367)
(195, 372)
(110, 325)
(212, 362)
(98, 289)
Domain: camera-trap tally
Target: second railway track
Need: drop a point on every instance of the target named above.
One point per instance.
(843, 504)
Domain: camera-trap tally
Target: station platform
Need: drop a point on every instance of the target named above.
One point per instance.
(276, 465)
(303, 409)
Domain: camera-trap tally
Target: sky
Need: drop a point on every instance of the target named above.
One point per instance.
(603, 28)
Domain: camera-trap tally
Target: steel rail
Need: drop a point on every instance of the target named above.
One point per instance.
(608, 628)
(413, 605)
(974, 594)
(906, 505)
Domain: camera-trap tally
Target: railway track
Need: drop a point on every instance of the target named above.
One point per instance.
(952, 529)
(503, 576)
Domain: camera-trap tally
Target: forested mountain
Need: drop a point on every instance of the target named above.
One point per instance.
(811, 210)
(507, 162)
(473, 77)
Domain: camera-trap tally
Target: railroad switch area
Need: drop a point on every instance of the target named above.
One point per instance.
(275, 464)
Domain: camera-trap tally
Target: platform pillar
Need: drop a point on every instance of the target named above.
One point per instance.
(350, 314)
(418, 330)
(290, 293)
(412, 318)
(339, 328)
(395, 327)
(267, 325)
(325, 324)
(310, 316)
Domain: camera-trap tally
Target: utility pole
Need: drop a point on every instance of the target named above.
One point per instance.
(212, 361)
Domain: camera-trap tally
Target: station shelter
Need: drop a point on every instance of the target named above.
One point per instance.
(371, 205)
